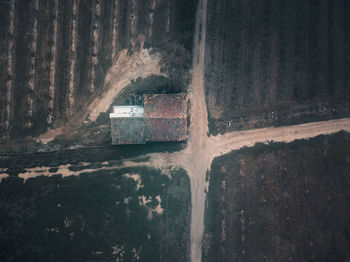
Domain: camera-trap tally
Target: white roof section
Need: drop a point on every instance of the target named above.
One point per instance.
(127, 111)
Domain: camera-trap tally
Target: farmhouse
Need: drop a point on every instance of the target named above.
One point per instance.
(160, 118)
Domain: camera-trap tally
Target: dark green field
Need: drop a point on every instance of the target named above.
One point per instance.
(276, 62)
(170, 32)
(99, 216)
(280, 202)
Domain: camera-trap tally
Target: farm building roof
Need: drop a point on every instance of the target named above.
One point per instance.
(127, 130)
(165, 119)
(165, 105)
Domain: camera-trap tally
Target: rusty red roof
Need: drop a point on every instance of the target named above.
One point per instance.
(165, 105)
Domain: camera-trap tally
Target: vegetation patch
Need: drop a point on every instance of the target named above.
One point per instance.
(280, 202)
(134, 214)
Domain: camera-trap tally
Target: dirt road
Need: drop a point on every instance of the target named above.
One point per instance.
(196, 153)
(223, 144)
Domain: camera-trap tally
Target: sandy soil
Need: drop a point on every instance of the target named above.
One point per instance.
(124, 70)
(223, 144)
(3, 176)
(196, 153)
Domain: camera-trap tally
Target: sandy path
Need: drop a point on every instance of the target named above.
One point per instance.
(123, 71)
(198, 162)
(223, 144)
(197, 157)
